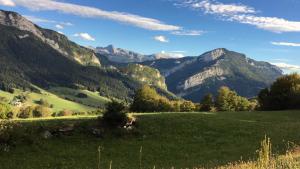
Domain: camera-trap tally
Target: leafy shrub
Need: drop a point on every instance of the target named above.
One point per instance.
(82, 95)
(65, 113)
(283, 94)
(115, 114)
(41, 111)
(187, 106)
(228, 100)
(146, 99)
(44, 103)
(207, 103)
(5, 111)
(26, 112)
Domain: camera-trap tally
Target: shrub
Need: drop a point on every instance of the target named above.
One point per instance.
(82, 95)
(228, 100)
(147, 99)
(115, 114)
(26, 112)
(65, 113)
(207, 103)
(41, 111)
(44, 103)
(187, 106)
(283, 94)
(5, 111)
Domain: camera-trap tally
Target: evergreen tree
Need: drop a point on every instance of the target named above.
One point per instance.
(207, 103)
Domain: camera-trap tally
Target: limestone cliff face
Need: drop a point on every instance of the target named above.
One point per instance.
(199, 78)
(146, 75)
(57, 41)
(213, 55)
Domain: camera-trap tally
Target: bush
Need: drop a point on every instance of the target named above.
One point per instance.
(187, 106)
(26, 112)
(41, 111)
(82, 95)
(44, 103)
(283, 94)
(5, 111)
(147, 99)
(207, 103)
(115, 114)
(65, 113)
(228, 100)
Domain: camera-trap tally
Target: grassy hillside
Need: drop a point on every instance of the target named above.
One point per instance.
(59, 101)
(173, 139)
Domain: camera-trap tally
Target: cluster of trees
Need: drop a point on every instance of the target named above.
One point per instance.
(283, 94)
(227, 100)
(146, 99)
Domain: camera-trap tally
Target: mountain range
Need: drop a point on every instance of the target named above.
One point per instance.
(32, 56)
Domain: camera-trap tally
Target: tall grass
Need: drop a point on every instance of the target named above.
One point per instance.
(265, 160)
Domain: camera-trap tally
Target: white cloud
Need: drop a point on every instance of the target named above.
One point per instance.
(66, 23)
(218, 8)
(188, 33)
(84, 36)
(58, 26)
(272, 24)
(37, 19)
(91, 12)
(286, 44)
(161, 39)
(42, 20)
(243, 14)
(166, 55)
(7, 3)
(286, 66)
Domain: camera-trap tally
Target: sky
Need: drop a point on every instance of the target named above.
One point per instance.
(264, 30)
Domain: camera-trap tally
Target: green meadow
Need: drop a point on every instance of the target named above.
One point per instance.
(61, 99)
(181, 140)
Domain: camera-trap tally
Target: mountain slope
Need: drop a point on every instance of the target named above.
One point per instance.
(57, 41)
(31, 56)
(193, 77)
(27, 60)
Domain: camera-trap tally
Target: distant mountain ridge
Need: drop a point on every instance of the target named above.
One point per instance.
(120, 55)
(193, 77)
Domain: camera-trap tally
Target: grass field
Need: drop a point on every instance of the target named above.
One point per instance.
(182, 140)
(58, 100)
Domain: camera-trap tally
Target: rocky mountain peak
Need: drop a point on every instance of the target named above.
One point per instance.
(111, 49)
(214, 54)
(9, 18)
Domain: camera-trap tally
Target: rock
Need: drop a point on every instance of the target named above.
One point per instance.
(97, 132)
(66, 129)
(46, 134)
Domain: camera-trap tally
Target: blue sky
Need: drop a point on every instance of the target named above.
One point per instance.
(263, 30)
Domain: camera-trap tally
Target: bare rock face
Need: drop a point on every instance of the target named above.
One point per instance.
(200, 78)
(213, 55)
(15, 20)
